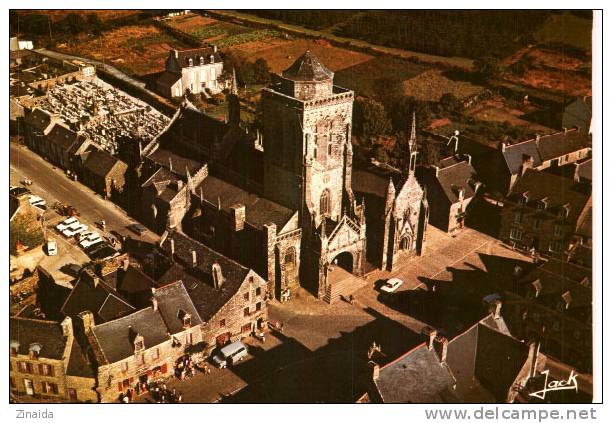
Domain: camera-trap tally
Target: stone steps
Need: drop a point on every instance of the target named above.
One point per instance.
(343, 288)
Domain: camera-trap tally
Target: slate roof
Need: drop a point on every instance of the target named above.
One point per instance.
(454, 177)
(78, 364)
(39, 118)
(103, 301)
(101, 163)
(173, 302)
(195, 54)
(417, 377)
(162, 157)
(46, 333)
(366, 182)
(557, 190)
(584, 170)
(62, 136)
(198, 281)
(115, 339)
(308, 68)
(547, 147)
(259, 211)
(168, 78)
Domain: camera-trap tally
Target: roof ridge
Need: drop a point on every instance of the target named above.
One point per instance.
(210, 249)
(419, 346)
(124, 317)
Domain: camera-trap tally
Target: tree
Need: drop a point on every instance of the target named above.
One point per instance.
(487, 67)
(25, 230)
(450, 103)
(370, 118)
(75, 22)
(94, 23)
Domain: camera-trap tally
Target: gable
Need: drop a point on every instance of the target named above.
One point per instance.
(346, 233)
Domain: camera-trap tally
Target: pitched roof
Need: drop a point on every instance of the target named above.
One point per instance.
(455, 177)
(173, 303)
(198, 280)
(168, 78)
(78, 363)
(584, 170)
(417, 377)
(39, 118)
(115, 339)
(101, 163)
(183, 56)
(308, 68)
(32, 331)
(259, 211)
(557, 190)
(164, 157)
(62, 136)
(101, 299)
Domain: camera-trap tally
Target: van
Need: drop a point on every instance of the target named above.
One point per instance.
(51, 247)
(230, 354)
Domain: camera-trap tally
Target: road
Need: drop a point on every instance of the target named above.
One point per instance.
(52, 184)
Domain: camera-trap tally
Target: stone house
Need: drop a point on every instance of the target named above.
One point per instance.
(552, 304)
(143, 345)
(38, 123)
(450, 189)
(47, 363)
(194, 70)
(543, 152)
(230, 298)
(104, 173)
(543, 212)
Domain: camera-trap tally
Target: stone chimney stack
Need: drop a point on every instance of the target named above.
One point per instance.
(176, 53)
(431, 334)
(238, 216)
(170, 163)
(469, 158)
(441, 347)
(87, 318)
(154, 301)
(171, 247)
(437, 169)
(194, 258)
(67, 330)
(217, 275)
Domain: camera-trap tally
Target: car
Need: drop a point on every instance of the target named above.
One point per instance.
(391, 285)
(26, 181)
(93, 239)
(51, 247)
(66, 223)
(137, 228)
(19, 191)
(36, 200)
(92, 249)
(73, 230)
(230, 354)
(103, 253)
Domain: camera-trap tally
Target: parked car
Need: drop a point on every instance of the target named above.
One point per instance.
(104, 252)
(35, 200)
(51, 247)
(92, 249)
(26, 181)
(91, 240)
(230, 354)
(137, 228)
(72, 231)
(19, 191)
(66, 223)
(391, 285)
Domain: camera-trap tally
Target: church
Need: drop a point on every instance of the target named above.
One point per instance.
(286, 200)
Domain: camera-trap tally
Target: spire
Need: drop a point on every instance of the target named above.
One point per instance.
(234, 82)
(412, 139)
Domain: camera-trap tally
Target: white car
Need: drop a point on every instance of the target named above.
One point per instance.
(37, 201)
(72, 231)
(391, 285)
(66, 223)
(84, 235)
(93, 239)
(51, 247)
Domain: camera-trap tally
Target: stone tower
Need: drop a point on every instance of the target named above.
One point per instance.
(307, 142)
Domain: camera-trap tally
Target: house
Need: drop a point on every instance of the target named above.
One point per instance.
(450, 189)
(542, 213)
(25, 224)
(553, 305)
(484, 364)
(194, 71)
(579, 114)
(104, 173)
(543, 152)
(230, 299)
(584, 171)
(47, 363)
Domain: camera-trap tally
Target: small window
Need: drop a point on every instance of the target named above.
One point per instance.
(222, 323)
(246, 296)
(124, 366)
(138, 345)
(329, 149)
(188, 338)
(518, 217)
(141, 359)
(190, 62)
(201, 60)
(258, 306)
(247, 313)
(536, 224)
(558, 230)
(258, 291)
(155, 353)
(516, 234)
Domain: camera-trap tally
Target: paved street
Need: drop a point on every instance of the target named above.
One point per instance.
(53, 185)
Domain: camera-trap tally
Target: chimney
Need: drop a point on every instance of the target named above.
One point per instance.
(194, 258)
(477, 186)
(217, 275)
(431, 333)
(215, 48)
(565, 131)
(469, 158)
(537, 286)
(503, 146)
(154, 303)
(441, 347)
(375, 370)
(170, 163)
(238, 216)
(495, 308)
(212, 58)
(87, 318)
(67, 327)
(437, 169)
(537, 140)
(126, 264)
(179, 185)
(534, 351)
(176, 53)
(172, 247)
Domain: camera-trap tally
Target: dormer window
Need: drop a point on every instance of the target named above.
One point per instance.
(190, 62)
(564, 211)
(542, 204)
(187, 320)
(201, 60)
(14, 348)
(139, 345)
(524, 199)
(35, 350)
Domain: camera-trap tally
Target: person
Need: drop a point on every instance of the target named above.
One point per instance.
(180, 398)
(126, 400)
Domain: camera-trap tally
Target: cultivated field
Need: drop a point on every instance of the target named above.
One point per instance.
(433, 84)
(137, 50)
(104, 15)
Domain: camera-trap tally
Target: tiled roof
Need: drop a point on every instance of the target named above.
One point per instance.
(46, 333)
(308, 68)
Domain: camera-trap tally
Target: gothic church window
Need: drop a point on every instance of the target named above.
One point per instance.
(325, 208)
